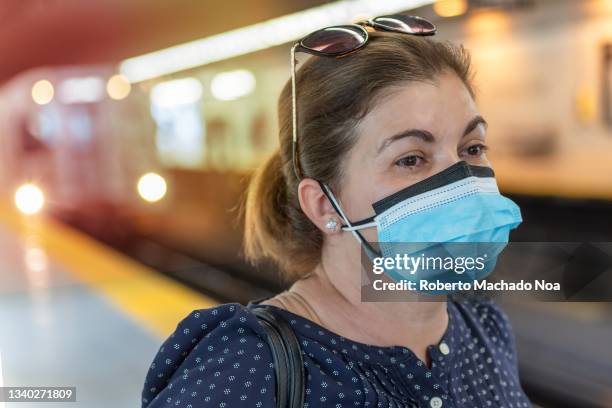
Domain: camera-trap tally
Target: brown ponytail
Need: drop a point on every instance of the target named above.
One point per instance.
(333, 95)
(270, 220)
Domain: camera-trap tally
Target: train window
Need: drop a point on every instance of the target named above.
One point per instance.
(79, 126)
(40, 129)
(175, 106)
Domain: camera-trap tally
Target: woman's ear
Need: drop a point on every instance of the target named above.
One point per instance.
(317, 207)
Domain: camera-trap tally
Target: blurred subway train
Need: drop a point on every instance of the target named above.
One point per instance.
(79, 149)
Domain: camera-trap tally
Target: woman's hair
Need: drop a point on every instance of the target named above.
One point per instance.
(333, 95)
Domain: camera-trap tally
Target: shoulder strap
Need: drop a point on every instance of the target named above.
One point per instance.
(286, 355)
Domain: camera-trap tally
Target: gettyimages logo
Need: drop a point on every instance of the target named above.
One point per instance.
(548, 271)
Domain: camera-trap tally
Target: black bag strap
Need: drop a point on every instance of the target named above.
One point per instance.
(286, 355)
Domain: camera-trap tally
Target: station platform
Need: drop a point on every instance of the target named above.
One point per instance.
(73, 312)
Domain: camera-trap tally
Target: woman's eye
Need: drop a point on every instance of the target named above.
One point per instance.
(476, 150)
(409, 161)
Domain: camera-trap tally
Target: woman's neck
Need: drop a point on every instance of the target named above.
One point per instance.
(414, 325)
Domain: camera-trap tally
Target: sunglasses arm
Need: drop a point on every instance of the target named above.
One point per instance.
(294, 113)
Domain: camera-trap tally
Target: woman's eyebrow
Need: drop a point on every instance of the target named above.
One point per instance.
(474, 123)
(426, 136)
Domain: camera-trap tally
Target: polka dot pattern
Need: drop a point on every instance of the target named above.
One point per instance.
(218, 358)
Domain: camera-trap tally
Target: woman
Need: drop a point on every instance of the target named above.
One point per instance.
(351, 149)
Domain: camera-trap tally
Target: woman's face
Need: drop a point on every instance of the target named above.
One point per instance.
(418, 130)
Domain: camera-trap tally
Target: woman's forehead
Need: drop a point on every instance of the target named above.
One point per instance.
(437, 106)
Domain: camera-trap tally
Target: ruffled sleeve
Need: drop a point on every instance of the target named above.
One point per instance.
(216, 357)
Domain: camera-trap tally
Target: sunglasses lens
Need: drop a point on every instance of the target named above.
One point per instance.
(335, 40)
(407, 24)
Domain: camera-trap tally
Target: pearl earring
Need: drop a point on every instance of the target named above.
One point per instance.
(332, 225)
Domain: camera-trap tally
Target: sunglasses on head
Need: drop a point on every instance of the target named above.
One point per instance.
(340, 40)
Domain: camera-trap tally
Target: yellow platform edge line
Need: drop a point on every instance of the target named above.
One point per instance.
(151, 299)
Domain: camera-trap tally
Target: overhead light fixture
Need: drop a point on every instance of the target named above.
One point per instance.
(450, 8)
(257, 37)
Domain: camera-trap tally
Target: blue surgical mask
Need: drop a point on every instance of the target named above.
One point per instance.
(435, 216)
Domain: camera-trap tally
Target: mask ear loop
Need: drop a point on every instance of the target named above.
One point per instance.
(371, 252)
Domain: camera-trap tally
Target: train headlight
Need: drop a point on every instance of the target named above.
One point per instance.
(152, 187)
(29, 199)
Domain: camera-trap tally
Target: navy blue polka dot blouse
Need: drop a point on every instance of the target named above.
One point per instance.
(218, 358)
